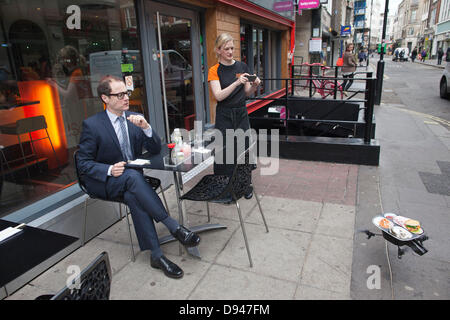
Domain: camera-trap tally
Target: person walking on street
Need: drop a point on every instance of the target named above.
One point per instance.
(440, 54)
(361, 56)
(423, 54)
(414, 54)
(349, 66)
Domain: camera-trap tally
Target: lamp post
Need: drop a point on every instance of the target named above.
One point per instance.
(380, 65)
(370, 32)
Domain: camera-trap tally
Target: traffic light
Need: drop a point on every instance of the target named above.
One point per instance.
(379, 48)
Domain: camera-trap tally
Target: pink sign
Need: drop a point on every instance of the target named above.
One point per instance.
(308, 4)
(283, 6)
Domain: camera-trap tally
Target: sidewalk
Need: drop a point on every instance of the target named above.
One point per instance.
(314, 249)
(432, 62)
(305, 255)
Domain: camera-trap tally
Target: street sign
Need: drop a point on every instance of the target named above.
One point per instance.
(346, 30)
(315, 45)
(283, 6)
(308, 4)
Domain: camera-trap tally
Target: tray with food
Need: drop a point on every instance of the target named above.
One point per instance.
(399, 227)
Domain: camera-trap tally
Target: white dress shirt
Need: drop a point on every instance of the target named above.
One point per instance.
(116, 125)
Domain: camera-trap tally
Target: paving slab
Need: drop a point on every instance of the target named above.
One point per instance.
(305, 292)
(139, 281)
(328, 264)
(279, 253)
(235, 284)
(289, 214)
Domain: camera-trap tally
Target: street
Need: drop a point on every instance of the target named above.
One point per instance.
(414, 85)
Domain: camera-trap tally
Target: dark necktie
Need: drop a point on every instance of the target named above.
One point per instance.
(124, 145)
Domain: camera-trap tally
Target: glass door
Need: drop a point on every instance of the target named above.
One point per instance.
(176, 71)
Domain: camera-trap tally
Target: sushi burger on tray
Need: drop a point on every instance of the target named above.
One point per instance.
(413, 226)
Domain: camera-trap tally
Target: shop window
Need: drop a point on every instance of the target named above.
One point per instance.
(52, 55)
(259, 51)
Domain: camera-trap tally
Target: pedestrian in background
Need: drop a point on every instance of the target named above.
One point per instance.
(440, 54)
(414, 54)
(423, 55)
(349, 66)
(361, 56)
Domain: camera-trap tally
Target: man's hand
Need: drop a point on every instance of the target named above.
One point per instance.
(117, 169)
(139, 121)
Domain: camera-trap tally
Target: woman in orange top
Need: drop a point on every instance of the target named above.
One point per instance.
(230, 87)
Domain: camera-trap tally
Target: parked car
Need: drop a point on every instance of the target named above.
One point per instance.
(444, 85)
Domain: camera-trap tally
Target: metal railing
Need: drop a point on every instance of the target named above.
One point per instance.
(368, 104)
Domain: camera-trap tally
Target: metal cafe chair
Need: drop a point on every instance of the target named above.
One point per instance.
(28, 125)
(93, 283)
(217, 188)
(154, 183)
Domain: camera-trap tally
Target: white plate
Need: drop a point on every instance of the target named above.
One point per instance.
(406, 233)
(376, 221)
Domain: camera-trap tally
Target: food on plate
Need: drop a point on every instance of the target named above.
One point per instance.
(413, 226)
(390, 216)
(385, 223)
(400, 220)
(401, 233)
(409, 224)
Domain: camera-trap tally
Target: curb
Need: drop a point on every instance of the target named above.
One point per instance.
(431, 65)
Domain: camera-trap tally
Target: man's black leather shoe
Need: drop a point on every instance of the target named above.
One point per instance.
(169, 268)
(186, 237)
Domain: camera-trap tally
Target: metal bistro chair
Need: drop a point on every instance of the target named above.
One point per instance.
(93, 283)
(215, 188)
(155, 183)
(28, 125)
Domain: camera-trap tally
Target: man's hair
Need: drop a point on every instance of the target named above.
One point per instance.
(104, 86)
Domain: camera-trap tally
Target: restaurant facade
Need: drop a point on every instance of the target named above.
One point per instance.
(52, 56)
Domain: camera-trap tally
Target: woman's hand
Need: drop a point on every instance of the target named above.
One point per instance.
(243, 79)
(256, 83)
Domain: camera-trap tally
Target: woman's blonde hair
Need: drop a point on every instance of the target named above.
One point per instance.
(221, 40)
(348, 45)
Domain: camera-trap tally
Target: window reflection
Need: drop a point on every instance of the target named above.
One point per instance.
(50, 72)
(177, 64)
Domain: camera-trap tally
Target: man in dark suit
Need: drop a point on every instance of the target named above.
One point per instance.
(108, 139)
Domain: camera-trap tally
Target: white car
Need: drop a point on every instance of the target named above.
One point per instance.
(444, 86)
(402, 53)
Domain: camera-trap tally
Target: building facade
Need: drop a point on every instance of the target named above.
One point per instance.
(443, 25)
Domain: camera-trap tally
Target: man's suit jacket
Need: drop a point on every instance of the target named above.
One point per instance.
(99, 149)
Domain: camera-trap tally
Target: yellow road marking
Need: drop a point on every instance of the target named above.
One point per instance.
(437, 119)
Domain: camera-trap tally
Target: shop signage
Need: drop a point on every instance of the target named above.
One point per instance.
(283, 6)
(308, 4)
(315, 45)
(346, 30)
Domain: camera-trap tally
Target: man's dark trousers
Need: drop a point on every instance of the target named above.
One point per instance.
(145, 205)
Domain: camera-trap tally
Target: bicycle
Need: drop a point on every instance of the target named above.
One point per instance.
(321, 85)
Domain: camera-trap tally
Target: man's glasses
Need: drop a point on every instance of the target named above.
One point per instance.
(121, 95)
